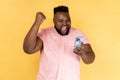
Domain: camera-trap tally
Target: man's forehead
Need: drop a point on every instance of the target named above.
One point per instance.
(62, 15)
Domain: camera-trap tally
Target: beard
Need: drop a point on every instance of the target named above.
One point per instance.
(60, 30)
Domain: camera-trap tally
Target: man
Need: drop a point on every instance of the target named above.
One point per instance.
(60, 59)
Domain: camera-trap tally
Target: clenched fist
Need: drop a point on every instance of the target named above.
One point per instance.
(40, 17)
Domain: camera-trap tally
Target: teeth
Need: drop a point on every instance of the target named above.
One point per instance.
(64, 27)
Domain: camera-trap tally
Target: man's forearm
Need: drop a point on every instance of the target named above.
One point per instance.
(31, 42)
(31, 38)
(88, 56)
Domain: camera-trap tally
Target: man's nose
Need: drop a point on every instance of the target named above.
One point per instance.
(65, 22)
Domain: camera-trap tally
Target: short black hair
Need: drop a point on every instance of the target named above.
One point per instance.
(61, 9)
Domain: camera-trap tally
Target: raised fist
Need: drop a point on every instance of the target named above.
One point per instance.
(40, 17)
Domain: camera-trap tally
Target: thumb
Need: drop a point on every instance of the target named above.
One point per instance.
(82, 45)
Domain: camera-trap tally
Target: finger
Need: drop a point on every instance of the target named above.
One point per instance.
(41, 14)
(82, 44)
(75, 50)
(78, 48)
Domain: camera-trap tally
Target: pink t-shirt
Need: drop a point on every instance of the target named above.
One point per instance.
(57, 59)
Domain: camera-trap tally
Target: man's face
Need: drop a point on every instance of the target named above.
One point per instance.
(62, 22)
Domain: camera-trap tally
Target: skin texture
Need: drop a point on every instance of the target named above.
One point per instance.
(86, 53)
(62, 23)
(62, 19)
(32, 43)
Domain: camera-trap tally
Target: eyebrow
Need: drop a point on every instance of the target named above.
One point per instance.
(63, 18)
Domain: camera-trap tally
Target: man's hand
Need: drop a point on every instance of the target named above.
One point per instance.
(40, 17)
(79, 50)
(86, 53)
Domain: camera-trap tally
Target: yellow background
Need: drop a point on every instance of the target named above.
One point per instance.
(99, 19)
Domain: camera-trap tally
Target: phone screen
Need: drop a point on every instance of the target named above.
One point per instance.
(78, 41)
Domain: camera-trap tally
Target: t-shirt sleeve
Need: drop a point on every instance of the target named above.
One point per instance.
(41, 34)
(85, 39)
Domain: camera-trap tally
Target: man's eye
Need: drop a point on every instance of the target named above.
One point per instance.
(60, 20)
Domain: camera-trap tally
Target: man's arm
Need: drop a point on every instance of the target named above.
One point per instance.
(86, 53)
(31, 42)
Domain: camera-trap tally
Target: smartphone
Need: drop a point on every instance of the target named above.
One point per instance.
(78, 42)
